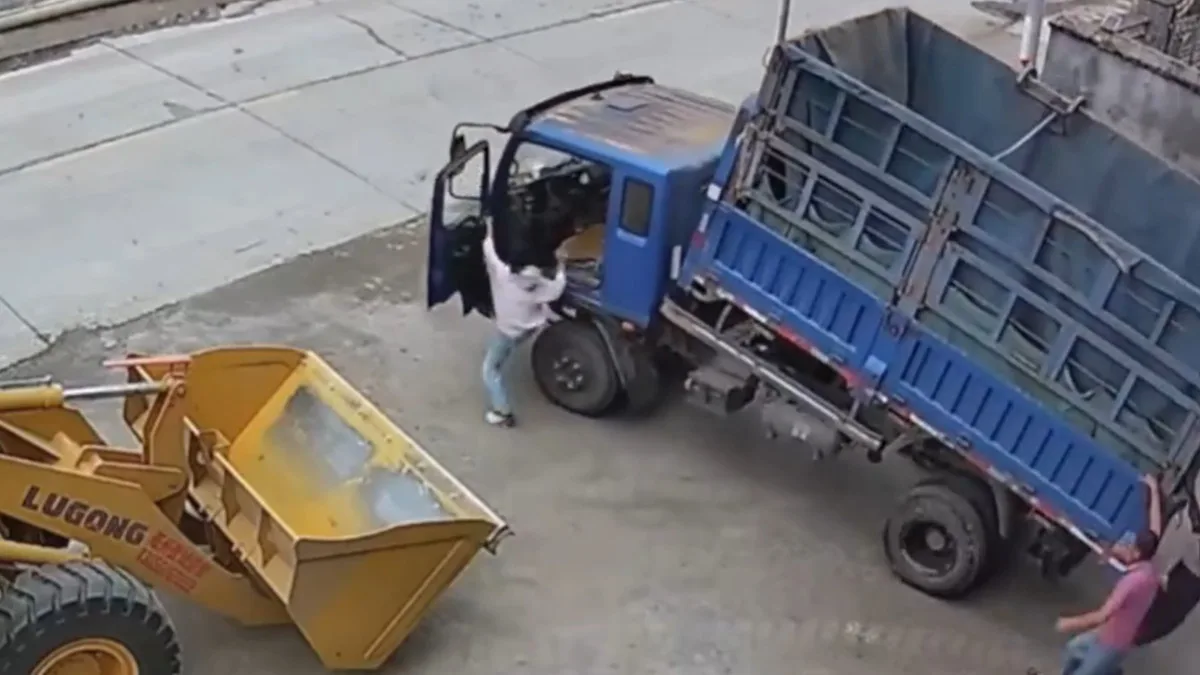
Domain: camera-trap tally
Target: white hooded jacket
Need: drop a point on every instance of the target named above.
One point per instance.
(521, 299)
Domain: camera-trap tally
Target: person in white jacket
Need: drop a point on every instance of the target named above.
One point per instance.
(521, 299)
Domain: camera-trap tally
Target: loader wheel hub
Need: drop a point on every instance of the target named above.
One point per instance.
(91, 656)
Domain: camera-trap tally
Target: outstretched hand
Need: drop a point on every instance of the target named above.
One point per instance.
(1151, 482)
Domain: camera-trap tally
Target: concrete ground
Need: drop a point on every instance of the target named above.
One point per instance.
(239, 144)
(677, 544)
(152, 169)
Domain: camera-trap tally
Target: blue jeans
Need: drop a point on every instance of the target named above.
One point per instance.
(1085, 655)
(500, 349)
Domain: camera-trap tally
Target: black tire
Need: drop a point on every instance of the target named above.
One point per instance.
(50, 607)
(937, 508)
(574, 369)
(980, 495)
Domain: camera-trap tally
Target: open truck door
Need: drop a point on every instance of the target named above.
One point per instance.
(457, 228)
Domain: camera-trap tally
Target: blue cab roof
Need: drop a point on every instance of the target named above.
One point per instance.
(657, 128)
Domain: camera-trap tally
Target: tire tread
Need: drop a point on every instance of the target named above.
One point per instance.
(581, 334)
(44, 600)
(966, 511)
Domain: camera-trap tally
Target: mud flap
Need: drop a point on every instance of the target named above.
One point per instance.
(638, 375)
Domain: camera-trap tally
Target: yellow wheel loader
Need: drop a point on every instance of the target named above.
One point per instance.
(265, 489)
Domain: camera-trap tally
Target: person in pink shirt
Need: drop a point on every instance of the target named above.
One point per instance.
(1105, 636)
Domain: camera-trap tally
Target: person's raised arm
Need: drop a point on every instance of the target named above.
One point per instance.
(490, 257)
(1155, 496)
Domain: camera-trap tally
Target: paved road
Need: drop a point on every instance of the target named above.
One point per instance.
(16, 5)
(149, 168)
(678, 544)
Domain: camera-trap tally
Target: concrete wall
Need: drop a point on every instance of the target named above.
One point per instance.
(1148, 96)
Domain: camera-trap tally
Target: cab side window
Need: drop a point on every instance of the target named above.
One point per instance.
(637, 206)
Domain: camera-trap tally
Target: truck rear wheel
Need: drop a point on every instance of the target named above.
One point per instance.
(84, 617)
(980, 495)
(574, 369)
(937, 541)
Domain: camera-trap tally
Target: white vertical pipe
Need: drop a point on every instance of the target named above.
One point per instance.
(1031, 32)
(785, 13)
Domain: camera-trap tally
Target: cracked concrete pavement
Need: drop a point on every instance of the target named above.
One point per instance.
(682, 543)
(158, 168)
(150, 167)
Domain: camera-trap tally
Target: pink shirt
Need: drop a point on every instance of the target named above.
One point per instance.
(1132, 595)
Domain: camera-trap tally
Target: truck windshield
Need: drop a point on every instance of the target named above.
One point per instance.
(532, 161)
(555, 195)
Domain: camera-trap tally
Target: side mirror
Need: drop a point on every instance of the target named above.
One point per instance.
(458, 146)
(457, 149)
(477, 158)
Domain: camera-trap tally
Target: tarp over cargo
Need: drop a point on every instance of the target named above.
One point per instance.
(1135, 194)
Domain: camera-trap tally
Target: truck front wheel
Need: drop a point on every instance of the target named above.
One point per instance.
(574, 369)
(937, 541)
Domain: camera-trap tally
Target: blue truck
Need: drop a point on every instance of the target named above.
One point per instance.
(898, 246)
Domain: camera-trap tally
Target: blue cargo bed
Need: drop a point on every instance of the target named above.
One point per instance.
(915, 214)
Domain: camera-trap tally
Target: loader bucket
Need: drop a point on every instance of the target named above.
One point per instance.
(330, 505)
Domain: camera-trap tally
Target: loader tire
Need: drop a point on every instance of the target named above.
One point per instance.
(88, 616)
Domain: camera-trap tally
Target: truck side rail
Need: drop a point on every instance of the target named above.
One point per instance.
(1064, 474)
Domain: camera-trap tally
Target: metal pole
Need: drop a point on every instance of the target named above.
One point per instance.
(31, 554)
(27, 382)
(49, 12)
(785, 15)
(1031, 33)
(112, 391)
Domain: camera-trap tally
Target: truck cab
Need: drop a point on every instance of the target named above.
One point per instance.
(607, 179)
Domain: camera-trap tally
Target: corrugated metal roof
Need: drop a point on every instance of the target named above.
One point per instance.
(648, 119)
